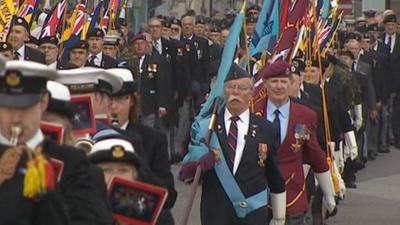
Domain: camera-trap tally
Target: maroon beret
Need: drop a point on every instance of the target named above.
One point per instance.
(279, 68)
(138, 37)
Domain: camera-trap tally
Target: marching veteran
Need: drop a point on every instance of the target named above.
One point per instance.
(297, 143)
(246, 171)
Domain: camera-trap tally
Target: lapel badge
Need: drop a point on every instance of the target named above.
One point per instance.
(262, 154)
(117, 151)
(199, 54)
(301, 135)
(254, 129)
(196, 44)
(150, 75)
(180, 52)
(188, 47)
(13, 79)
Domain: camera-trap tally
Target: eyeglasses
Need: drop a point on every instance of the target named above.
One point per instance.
(241, 88)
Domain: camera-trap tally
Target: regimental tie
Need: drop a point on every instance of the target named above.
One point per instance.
(16, 55)
(92, 58)
(277, 125)
(232, 138)
(389, 43)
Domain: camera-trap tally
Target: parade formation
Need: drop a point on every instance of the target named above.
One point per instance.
(270, 109)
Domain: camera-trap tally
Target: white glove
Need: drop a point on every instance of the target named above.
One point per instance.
(278, 202)
(358, 116)
(326, 184)
(339, 158)
(351, 144)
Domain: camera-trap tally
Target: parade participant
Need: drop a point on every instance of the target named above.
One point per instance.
(6, 51)
(248, 141)
(392, 39)
(250, 27)
(199, 26)
(73, 198)
(94, 82)
(95, 40)
(125, 107)
(154, 83)
(111, 48)
(297, 141)
(19, 33)
(166, 28)
(78, 54)
(49, 46)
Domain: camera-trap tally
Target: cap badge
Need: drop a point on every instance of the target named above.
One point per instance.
(293, 69)
(13, 79)
(117, 151)
(4, 46)
(19, 20)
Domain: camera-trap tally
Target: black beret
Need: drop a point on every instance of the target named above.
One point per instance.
(5, 46)
(166, 23)
(346, 53)
(251, 19)
(200, 19)
(176, 21)
(20, 21)
(122, 22)
(49, 40)
(236, 72)
(33, 40)
(354, 35)
(298, 66)
(215, 29)
(372, 27)
(369, 13)
(96, 32)
(80, 45)
(254, 7)
(390, 19)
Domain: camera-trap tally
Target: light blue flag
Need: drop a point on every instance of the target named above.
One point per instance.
(266, 33)
(197, 147)
(325, 9)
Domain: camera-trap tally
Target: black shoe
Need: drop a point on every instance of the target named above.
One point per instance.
(351, 184)
(383, 150)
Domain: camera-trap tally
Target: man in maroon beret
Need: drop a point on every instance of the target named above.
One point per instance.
(297, 141)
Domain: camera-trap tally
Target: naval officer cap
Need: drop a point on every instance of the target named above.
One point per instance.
(115, 149)
(111, 38)
(129, 85)
(89, 79)
(22, 83)
(236, 72)
(60, 100)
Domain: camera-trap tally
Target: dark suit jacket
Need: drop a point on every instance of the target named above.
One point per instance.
(198, 50)
(394, 64)
(34, 55)
(155, 85)
(106, 62)
(381, 76)
(216, 207)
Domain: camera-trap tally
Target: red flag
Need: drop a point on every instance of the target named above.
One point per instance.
(283, 16)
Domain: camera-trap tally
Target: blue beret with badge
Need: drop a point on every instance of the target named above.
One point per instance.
(236, 72)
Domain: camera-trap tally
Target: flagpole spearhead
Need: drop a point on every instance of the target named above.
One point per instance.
(243, 9)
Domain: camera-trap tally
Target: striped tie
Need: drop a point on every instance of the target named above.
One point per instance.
(232, 138)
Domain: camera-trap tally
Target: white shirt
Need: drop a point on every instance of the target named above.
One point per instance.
(141, 60)
(32, 143)
(53, 65)
(393, 41)
(243, 127)
(21, 52)
(125, 125)
(97, 60)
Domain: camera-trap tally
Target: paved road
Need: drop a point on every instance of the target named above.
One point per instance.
(376, 201)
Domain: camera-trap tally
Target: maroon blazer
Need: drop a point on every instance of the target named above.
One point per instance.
(291, 161)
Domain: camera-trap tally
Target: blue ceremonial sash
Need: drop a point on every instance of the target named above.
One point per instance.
(241, 204)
